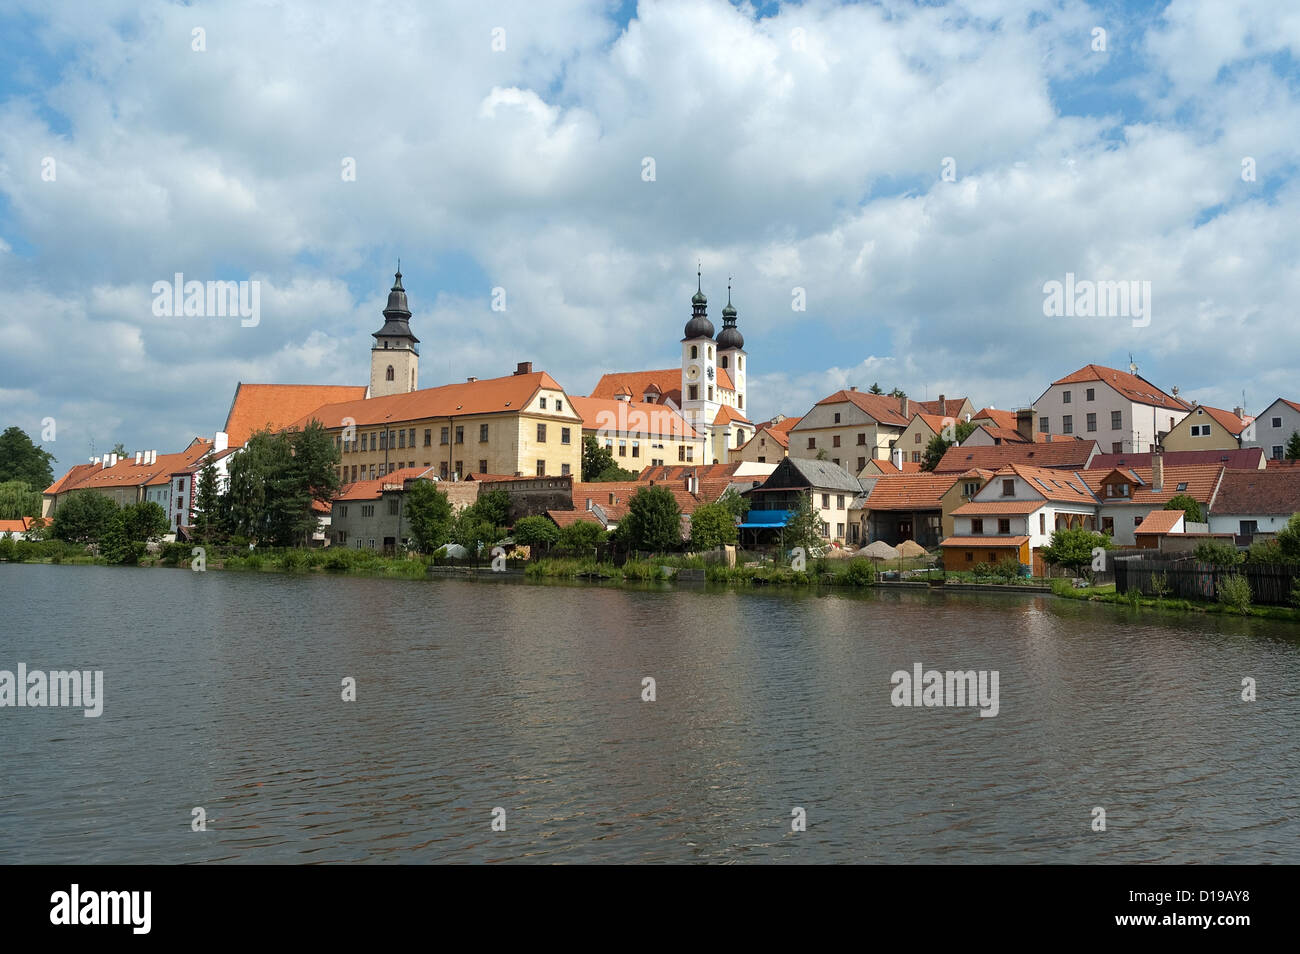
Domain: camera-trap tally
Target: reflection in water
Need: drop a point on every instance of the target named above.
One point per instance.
(223, 690)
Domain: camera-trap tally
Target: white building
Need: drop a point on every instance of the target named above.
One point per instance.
(1121, 411)
(1273, 428)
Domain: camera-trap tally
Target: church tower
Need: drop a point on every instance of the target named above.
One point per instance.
(731, 352)
(700, 398)
(395, 355)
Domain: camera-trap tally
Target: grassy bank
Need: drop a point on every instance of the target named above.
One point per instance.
(1107, 594)
(819, 572)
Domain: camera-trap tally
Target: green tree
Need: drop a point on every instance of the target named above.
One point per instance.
(472, 532)
(654, 521)
(207, 505)
(582, 535)
(19, 499)
(20, 459)
(1219, 554)
(274, 481)
(428, 513)
(1288, 540)
(118, 449)
(875, 388)
(712, 525)
(535, 532)
(145, 521)
(598, 463)
(1293, 446)
(898, 393)
(116, 545)
(804, 528)
(83, 516)
(493, 508)
(1072, 548)
(822, 455)
(1188, 505)
(934, 452)
(736, 504)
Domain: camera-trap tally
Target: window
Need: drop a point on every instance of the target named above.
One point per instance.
(1092, 422)
(681, 452)
(1200, 430)
(916, 438)
(862, 462)
(839, 501)
(442, 470)
(636, 448)
(1067, 424)
(969, 556)
(1009, 487)
(837, 417)
(373, 438)
(970, 488)
(460, 434)
(1277, 422)
(354, 473)
(710, 353)
(388, 375)
(482, 433)
(559, 406)
(710, 392)
(976, 525)
(622, 448)
(1182, 486)
(1042, 523)
(916, 457)
(541, 402)
(392, 507)
(401, 439)
(690, 454)
(541, 433)
(367, 510)
(428, 437)
(826, 501)
(1116, 420)
(862, 438)
(460, 467)
(812, 443)
(565, 435)
(1091, 394)
(1065, 397)
(1277, 452)
(826, 530)
(740, 436)
(695, 352)
(482, 467)
(1043, 427)
(1137, 521)
(541, 468)
(383, 469)
(442, 437)
(1004, 525)
(1117, 447)
(411, 438)
(1249, 527)
(1108, 525)
(693, 392)
(724, 361)
(835, 441)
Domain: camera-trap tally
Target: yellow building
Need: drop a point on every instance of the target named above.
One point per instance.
(640, 434)
(522, 424)
(1207, 428)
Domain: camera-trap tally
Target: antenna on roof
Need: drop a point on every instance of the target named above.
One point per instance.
(1132, 365)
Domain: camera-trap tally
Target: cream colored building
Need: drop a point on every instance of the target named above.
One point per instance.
(851, 427)
(639, 434)
(1208, 428)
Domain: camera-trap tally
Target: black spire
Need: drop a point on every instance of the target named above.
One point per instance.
(398, 314)
(699, 326)
(729, 336)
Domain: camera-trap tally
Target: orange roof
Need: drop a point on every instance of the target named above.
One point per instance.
(888, 468)
(935, 422)
(486, 396)
(127, 473)
(565, 518)
(880, 407)
(988, 543)
(948, 408)
(779, 432)
(1229, 421)
(1201, 479)
(373, 489)
(979, 507)
(1160, 521)
(21, 525)
(910, 492)
(1135, 388)
(1053, 483)
(727, 414)
(1071, 454)
(998, 417)
(274, 406)
(634, 418)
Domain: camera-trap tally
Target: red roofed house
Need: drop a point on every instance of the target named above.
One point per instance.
(1274, 427)
(1120, 410)
(852, 427)
(1157, 524)
(145, 476)
(1208, 428)
(1251, 502)
(770, 442)
(639, 433)
(1128, 494)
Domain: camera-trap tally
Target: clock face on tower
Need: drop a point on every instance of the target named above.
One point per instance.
(709, 372)
(693, 373)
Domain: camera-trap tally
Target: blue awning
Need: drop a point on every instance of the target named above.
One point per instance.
(769, 519)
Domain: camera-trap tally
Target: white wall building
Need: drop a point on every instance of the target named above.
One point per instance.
(1122, 412)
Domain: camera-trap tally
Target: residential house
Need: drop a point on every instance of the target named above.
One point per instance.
(890, 468)
(1157, 525)
(1207, 428)
(1066, 455)
(849, 428)
(922, 429)
(1119, 409)
(1254, 502)
(1015, 514)
(829, 486)
(371, 514)
(770, 442)
(1128, 494)
(146, 476)
(963, 491)
(1245, 458)
(907, 507)
(21, 528)
(1274, 427)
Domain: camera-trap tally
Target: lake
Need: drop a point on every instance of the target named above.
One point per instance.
(223, 691)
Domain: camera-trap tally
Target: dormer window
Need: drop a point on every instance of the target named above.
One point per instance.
(1009, 487)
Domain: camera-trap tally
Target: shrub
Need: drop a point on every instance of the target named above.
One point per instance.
(175, 554)
(1218, 554)
(859, 573)
(292, 560)
(1234, 593)
(7, 547)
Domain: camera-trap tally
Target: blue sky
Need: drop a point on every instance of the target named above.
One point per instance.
(796, 146)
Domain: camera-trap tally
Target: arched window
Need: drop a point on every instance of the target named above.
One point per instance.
(724, 360)
(389, 375)
(695, 352)
(710, 352)
(413, 379)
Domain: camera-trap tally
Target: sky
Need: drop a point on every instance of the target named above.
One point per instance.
(890, 188)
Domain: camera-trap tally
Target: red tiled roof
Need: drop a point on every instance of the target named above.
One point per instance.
(888, 468)
(1160, 521)
(1245, 458)
(979, 507)
(274, 406)
(1201, 481)
(880, 407)
(565, 518)
(634, 418)
(987, 543)
(1073, 455)
(1271, 491)
(1135, 388)
(949, 408)
(727, 414)
(21, 525)
(779, 432)
(373, 489)
(998, 417)
(667, 381)
(1056, 484)
(910, 492)
(486, 396)
(127, 473)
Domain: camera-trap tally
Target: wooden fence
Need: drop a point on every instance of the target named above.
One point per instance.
(1270, 584)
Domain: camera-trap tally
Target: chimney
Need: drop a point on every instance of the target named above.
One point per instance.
(943, 406)
(853, 387)
(1239, 411)
(898, 459)
(692, 483)
(905, 407)
(524, 367)
(139, 456)
(1025, 423)
(102, 461)
(1157, 468)
(222, 441)
(112, 460)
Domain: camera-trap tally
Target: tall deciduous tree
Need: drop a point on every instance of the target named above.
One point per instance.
(207, 505)
(653, 520)
(428, 513)
(1293, 446)
(19, 499)
(83, 517)
(275, 479)
(1072, 548)
(804, 528)
(712, 525)
(20, 459)
(1188, 505)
